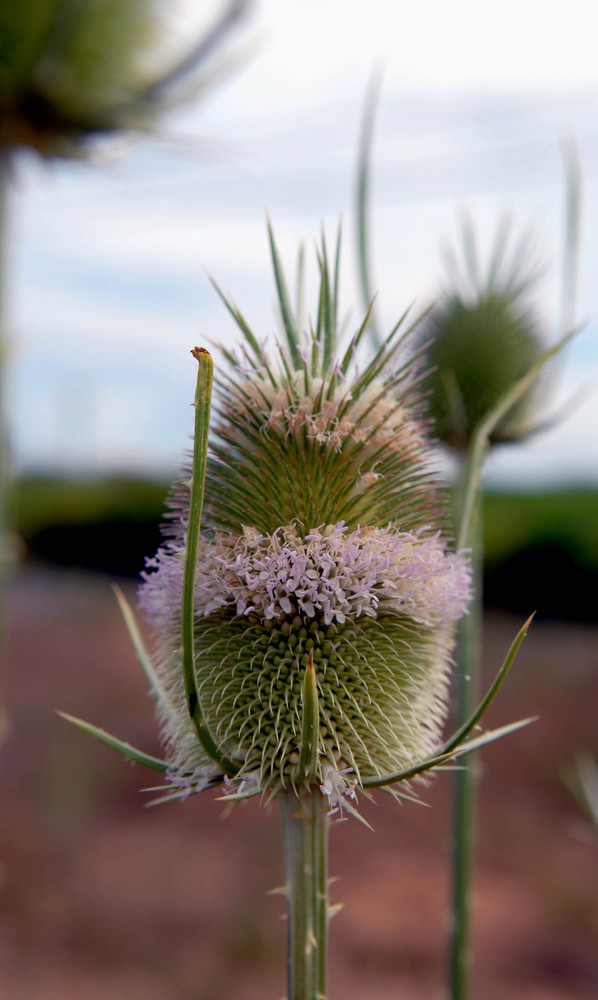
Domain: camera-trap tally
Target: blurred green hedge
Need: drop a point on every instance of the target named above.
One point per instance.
(109, 524)
(542, 553)
(541, 548)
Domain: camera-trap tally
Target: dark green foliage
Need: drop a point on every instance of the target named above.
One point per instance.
(102, 524)
(542, 553)
(550, 539)
(513, 521)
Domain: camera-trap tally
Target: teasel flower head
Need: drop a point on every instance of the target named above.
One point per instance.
(481, 339)
(72, 71)
(324, 589)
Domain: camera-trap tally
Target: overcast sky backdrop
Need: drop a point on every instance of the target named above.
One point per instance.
(108, 289)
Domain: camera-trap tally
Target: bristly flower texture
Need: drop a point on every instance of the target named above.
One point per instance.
(322, 551)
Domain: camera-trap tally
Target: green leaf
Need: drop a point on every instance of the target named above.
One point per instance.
(345, 804)
(115, 744)
(453, 747)
(308, 758)
(144, 658)
(473, 720)
(239, 320)
(584, 785)
(440, 760)
(286, 312)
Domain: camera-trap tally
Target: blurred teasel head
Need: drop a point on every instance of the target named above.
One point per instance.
(481, 338)
(325, 593)
(72, 70)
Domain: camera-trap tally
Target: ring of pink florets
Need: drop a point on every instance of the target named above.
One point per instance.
(329, 416)
(330, 573)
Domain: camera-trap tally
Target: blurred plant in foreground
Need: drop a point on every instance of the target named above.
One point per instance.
(71, 72)
(583, 784)
(304, 644)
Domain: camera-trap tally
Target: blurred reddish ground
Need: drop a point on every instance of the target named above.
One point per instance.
(103, 899)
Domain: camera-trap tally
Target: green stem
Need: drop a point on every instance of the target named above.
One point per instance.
(572, 233)
(305, 827)
(4, 455)
(464, 782)
(469, 535)
(363, 189)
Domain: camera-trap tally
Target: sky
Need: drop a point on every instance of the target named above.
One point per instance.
(109, 271)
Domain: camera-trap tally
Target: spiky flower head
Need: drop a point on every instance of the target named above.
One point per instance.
(324, 594)
(70, 70)
(481, 339)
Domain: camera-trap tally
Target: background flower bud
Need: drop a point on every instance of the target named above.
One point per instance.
(480, 340)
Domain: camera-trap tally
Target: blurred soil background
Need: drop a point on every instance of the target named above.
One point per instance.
(102, 898)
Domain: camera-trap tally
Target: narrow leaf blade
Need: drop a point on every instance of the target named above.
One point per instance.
(115, 744)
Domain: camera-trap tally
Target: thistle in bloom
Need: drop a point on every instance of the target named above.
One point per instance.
(304, 640)
(321, 599)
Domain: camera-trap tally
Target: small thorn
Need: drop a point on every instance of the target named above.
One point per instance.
(333, 910)
(281, 890)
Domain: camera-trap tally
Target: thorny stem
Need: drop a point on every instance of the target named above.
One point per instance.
(463, 822)
(305, 826)
(469, 536)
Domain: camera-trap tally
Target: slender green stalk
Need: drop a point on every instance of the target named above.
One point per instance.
(305, 825)
(463, 821)
(572, 233)
(469, 535)
(363, 188)
(4, 458)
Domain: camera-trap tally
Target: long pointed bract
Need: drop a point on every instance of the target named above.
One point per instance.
(203, 395)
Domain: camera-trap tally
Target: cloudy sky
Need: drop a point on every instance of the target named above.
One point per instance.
(108, 283)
